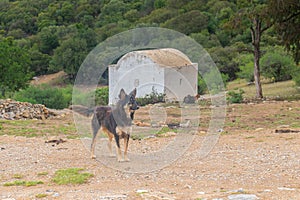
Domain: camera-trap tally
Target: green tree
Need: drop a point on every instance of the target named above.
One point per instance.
(187, 23)
(69, 56)
(286, 17)
(48, 39)
(39, 62)
(253, 15)
(14, 66)
(224, 59)
(113, 12)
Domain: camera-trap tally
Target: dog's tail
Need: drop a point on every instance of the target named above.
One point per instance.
(83, 110)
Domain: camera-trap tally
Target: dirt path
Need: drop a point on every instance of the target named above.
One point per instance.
(254, 162)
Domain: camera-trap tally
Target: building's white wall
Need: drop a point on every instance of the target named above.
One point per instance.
(135, 71)
(180, 82)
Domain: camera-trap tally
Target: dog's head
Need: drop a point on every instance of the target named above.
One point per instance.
(129, 100)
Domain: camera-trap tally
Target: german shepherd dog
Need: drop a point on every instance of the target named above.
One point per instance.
(115, 121)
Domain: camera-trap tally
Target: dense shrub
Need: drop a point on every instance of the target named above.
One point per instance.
(277, 65)
(235, 96)
(152, 98)
(296, 75)
(202, 88)
(247, 72)
(215, 81)
(101, 96)
(246, 65)
(51, 97)
(95, 97)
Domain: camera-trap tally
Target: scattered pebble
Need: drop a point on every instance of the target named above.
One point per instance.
(141, 191)
(56, 194)
(242, 197)
(259, 129)
(286, 188)
(188, 186)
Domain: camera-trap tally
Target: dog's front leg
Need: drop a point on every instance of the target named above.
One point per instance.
(126, 140)
(118, 148)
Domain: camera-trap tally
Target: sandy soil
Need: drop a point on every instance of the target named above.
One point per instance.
(257, 154)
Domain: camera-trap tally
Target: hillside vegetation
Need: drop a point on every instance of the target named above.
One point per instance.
(40, 37)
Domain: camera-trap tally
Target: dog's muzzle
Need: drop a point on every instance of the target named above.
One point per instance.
(132, 108)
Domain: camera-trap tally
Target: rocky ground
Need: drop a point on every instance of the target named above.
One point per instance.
(257, 156)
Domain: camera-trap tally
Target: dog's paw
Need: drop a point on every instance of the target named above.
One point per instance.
(123, 160)
(112, 155)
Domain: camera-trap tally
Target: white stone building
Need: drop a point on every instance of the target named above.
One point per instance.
(167, 71)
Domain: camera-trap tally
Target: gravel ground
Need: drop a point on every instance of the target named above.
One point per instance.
(259, 163)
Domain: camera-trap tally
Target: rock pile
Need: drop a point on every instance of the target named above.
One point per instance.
(14, 110)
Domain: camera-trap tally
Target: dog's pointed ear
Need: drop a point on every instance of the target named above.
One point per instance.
(133, 93)
(122, 94)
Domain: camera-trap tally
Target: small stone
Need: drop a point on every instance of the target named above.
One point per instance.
(141, 191)
(242, 197)
(259, 129)
(286, 188)
(188, 186)
(56, 194)
(200, 192)
(283, 126)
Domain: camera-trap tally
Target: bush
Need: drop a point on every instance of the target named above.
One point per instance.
(97, 97)
(202, 88)
(215, 81)
(277, 65)
(235, 97)
(51, 97)
(247, 72)
(152, 98)
(101, 96)
(296, 75)
(246, 66)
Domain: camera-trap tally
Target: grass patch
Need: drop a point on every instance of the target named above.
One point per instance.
(42, 173)
(259, 140)
(23, 183)
(39, 196)
(71, 176)
(284, 90)
(18, 176)
(136, 137)
(165, 130)
(36, 128)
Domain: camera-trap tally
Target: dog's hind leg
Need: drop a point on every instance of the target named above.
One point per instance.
(95, 127)
(110, 138)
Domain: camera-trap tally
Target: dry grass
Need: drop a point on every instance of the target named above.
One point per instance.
(278, 90)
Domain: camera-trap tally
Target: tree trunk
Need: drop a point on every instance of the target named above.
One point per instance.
(256, 34)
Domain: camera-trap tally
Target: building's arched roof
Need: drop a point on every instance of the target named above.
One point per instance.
(165, 57)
